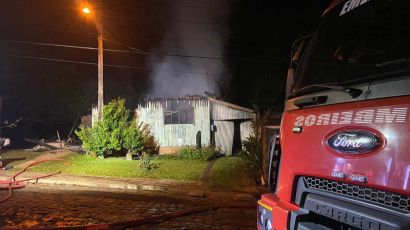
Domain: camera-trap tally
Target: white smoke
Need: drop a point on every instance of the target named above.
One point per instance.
(199, 28)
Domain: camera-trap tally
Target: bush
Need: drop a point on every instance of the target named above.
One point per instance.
(114, 135)
(146, 164)
(151, 145)
(252, 153)
(133, 137)
(190, 153)
(210, 153)
(205, 153)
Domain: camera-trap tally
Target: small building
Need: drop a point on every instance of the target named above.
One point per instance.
(196, 121)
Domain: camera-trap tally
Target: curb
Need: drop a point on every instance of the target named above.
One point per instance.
(195, 190)
(93, 182)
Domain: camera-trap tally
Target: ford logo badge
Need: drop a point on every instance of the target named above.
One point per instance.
(353, 142)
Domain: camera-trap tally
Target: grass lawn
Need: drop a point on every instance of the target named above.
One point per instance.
(14, 157)
(167, 168)
(230, 172)
(227, 172)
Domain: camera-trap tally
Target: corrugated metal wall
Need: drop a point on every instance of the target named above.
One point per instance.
(233, 123)
(221, 112)
(246, 130)
(176, 135)
(94, 115)
(224, 136)
(227, 118)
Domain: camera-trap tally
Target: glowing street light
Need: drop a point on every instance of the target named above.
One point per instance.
(86, 10)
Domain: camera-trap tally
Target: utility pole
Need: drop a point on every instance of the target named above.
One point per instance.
(100, 99)
(100, 103)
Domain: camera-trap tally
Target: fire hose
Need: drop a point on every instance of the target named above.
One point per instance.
(13, 183)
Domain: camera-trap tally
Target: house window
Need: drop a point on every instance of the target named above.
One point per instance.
(181, 115)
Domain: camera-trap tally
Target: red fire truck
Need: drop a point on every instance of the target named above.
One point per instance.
(342, 159)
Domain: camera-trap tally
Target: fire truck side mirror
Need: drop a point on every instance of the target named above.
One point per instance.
(297, 49)
(289, 81)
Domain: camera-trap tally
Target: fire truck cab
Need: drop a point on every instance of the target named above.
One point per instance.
(343, 159)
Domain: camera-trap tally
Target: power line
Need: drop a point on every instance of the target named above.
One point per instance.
(135, 51)
(72, 46)
(110, 50)
(109, 65)
(77, 62)
(118, 43)
(227, 43)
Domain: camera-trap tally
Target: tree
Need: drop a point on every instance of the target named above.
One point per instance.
(133, 139)
(252, 153)
(114, 135)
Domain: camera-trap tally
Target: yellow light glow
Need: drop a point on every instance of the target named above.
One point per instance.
(86, 10)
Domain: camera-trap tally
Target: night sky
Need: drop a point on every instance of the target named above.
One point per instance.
(236, 49)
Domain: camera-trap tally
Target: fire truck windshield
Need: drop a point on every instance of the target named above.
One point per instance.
(355, 44)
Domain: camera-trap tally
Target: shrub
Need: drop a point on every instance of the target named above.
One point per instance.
(252, 153)
(133, 138)
(210, 153)
(146, 164)
(151, 145)
(205, 153)
(190, 153)
(114, 135)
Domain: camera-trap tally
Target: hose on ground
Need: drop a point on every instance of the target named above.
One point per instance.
(13, 183)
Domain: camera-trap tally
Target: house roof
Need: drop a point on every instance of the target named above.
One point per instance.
(199, 97)
(230, 105)
(187, 97)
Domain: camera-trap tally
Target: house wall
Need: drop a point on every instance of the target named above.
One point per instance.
(221, 112)
(230, 121)
(246, 130)
(176, 135)
(233, 123)
(224, 136)
(94, 115)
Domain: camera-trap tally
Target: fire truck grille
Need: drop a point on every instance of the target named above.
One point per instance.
(376, 196)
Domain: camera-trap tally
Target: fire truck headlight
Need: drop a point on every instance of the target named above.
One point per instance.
(268, 225)
(264, 217)
(261, 219)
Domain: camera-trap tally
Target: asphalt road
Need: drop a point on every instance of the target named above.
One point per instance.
(37, 206)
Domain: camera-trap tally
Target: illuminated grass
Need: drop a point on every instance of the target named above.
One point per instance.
(15, 157)
(227, 173)
(167, 168)
(230, 172)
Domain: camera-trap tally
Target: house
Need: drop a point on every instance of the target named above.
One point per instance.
(196, 121)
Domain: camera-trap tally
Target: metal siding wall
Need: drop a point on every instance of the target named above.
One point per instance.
(202, 122)
(223, 116)
(221, 112)
(152, 114)
(94, 115)
(177, 135)
(246, 130)
(224, 136)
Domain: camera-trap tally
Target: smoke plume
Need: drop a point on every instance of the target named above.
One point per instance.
(189, 60)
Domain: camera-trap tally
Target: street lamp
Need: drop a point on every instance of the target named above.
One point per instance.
(86, 10)
(100, 98)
